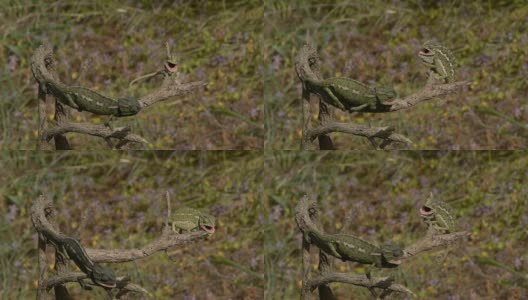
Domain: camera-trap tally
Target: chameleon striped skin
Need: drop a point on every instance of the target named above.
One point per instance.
(351, 248)
(85, 99)
(440, 60)
(350, 95)
(438, 215)
(190, 219)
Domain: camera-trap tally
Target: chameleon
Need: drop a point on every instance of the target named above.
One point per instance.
(190, 219)
(439, 60)
(350, 95)
(82, 98)
(350, 248)
(438, 215)
(100, 275)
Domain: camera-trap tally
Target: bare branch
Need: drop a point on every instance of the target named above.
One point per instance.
(386, 133)
(167, 91)
(359, 280)
(431, 242)
(427, 93)
(102, 131)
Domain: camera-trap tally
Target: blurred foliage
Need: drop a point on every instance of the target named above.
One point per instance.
(122, 198)
(217, 42)
(377, 41)
(376, 196)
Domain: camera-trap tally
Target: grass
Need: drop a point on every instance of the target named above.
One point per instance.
(377, 41)
(121, 195)
(217, 42)
(376, 196)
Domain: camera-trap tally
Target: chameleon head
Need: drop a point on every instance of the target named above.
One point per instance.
(439, 59)
(391, 254)
(128, 106)
(384, 93)
(104, 276)
(207, 223)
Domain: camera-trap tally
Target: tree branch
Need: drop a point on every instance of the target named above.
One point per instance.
(386, 133)
(122, 134)
(122, 282)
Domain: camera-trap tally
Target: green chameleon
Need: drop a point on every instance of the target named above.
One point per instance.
(438, 215)
(190, 219)
(351, 248)
(350, 95)
(84, 99)
(439, 60)
(100, 275)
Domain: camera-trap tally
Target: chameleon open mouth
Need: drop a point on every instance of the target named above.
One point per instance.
(108, 285)
(172, 67)
(426, 211)
(395, 262)
(208, 229)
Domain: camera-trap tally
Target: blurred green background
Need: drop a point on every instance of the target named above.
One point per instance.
(380, 194)
(122, 195)
(217, 41)
(377, 41)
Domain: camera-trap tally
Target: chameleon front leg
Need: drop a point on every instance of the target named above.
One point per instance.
(334, 252)
(68, 100)
(336, 101)
(441, 229)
